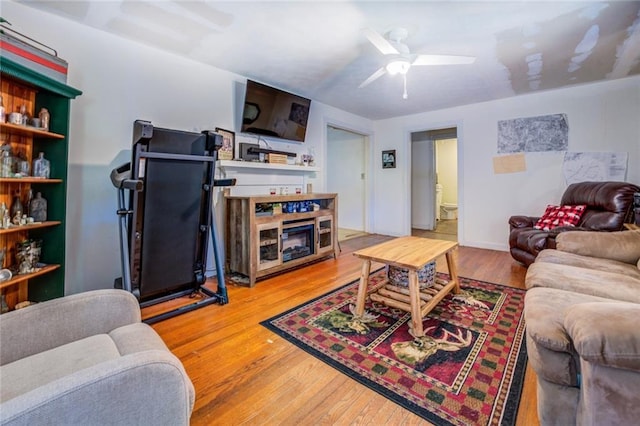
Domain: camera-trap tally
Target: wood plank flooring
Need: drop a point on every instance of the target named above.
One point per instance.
(245, 374)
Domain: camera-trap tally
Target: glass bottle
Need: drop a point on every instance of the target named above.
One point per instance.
(4, 308)
(27, 204)
(16, 207)
(3, 211)
(3, 117)
(38, 208)
(41, 167)
(24, 114)
(44, 118)
(6, 164)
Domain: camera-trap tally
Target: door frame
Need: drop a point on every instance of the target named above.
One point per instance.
(368, 137)
(460, 162)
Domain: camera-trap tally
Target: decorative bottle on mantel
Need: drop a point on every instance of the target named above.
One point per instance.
(41, 167)
(38, 208)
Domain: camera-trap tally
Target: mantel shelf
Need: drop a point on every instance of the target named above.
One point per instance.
(232, 164)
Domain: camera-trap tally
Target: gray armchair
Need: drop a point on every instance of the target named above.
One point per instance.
(88, 359)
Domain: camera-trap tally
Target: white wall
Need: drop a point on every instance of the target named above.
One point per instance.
(602, 117)
(121, 82)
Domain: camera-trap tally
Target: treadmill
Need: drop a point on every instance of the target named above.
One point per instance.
(166, 216)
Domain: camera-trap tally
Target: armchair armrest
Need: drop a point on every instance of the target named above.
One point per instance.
(522, 221)
(144, 388)
(622, 246)
(606, 333)
(59, 321)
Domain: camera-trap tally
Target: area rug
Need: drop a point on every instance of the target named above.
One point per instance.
(469, 368)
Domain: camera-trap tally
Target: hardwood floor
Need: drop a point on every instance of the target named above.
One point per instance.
(445, 230)
(245, 374)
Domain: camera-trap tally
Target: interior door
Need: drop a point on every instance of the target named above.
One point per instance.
(346, 153)
(423, 182)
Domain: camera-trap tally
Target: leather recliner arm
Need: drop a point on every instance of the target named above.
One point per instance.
(522, 221)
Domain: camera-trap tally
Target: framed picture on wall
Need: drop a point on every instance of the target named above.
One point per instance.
(228, 144)
(389, 159)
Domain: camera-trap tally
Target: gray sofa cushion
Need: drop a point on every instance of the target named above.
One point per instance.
(29, 373)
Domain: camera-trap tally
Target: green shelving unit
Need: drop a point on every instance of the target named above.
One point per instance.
(22, 84)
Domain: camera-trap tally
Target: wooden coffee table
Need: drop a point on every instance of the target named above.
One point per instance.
(411, 253)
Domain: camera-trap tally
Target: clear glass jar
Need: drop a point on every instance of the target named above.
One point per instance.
(3, 117)
(44, 117)
(6, 164)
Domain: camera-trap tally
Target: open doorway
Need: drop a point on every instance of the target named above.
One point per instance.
(434, 184)
(347, 154)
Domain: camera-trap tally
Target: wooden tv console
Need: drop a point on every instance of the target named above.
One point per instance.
(263, 239)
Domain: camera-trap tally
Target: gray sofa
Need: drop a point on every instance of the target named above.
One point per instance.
(87, 359)
(582, 311)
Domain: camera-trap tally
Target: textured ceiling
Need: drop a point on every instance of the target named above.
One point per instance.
(318, 49)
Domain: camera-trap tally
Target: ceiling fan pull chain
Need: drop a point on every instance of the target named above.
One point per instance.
(404, 95)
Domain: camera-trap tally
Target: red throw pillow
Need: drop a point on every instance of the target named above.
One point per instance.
(555, 216)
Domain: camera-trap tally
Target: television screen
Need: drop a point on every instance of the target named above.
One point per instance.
(272, 112)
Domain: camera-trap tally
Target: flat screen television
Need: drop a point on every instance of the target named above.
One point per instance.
(275, 113)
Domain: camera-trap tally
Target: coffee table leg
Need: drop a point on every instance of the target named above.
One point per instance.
(414, 295)
(453, 269)
(362, 287)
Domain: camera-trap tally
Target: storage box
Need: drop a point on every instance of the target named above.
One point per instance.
(400, 276)
(33, 58)
(277, 158)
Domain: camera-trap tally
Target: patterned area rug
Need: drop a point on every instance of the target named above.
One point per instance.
(468, 369)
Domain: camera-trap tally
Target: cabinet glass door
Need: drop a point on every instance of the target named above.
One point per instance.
(324, 225)
(269, 253)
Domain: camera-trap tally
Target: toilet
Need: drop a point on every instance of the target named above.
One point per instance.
(448, 211)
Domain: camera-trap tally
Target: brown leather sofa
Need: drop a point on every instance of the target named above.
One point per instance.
(609, 206)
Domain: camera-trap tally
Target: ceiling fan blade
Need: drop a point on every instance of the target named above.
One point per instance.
(443, 60)
(374, 76)
(381, 43)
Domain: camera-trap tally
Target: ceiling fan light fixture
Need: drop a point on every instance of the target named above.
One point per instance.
(398, 66)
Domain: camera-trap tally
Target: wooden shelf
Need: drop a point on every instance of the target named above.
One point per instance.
(28, 131)
(233, 164)
(30, 180)
(30, 227)
(292, 216)
(24, 277)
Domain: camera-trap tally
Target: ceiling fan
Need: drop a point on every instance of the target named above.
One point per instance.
(400, 59)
